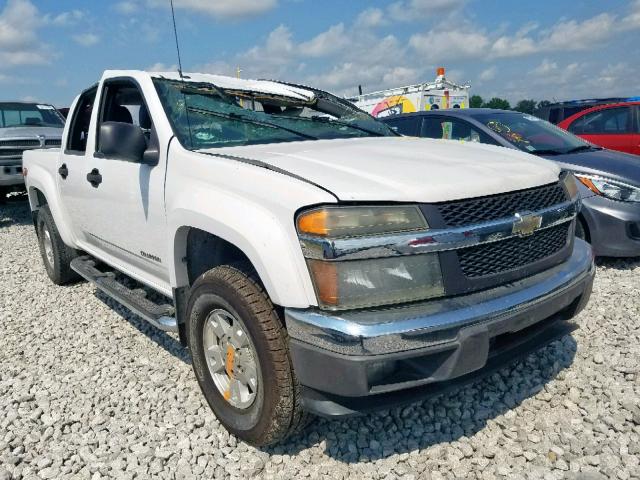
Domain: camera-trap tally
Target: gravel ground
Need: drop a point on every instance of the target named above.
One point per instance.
(88, 390)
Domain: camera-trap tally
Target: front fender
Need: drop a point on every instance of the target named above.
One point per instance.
(273, 249)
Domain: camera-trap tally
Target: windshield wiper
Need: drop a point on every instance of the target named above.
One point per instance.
(546, 152)
(242, 118)
(316, 118)
(583, 148)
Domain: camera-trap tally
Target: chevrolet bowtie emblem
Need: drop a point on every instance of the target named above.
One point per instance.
(526, 224)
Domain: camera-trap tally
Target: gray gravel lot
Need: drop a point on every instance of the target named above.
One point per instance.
(88, 390)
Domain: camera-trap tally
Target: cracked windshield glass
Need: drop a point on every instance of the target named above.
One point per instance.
(206, 116)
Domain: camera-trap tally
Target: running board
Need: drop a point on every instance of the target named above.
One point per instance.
(160, 316)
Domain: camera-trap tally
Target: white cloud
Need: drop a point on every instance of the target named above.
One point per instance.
(221, 8)
(86, 39)
(466, 42)
(417, 10)
(126, 7)
(162, 67)
(325, 43)
(632, 20)
(370, 18)
(488, 74)
(65, 18)
(19, 43)
(445, 44)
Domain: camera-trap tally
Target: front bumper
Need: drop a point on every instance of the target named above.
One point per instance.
(353, 362)
(11, 175)
(614, 227)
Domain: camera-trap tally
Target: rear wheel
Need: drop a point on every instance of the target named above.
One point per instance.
(56, 255)
(3, 195)
(240, 356)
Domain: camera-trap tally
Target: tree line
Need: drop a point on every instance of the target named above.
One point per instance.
(524, 106)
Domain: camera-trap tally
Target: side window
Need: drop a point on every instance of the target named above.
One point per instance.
(404, 126)
(79, 129)
(451, 129)
(122, 102)
(607, 121)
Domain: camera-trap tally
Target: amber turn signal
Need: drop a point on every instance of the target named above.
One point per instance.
(589, 184)
(313, 223)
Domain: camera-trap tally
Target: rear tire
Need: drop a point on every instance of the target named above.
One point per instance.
(269, 410)
(56, 255)
(3, 195)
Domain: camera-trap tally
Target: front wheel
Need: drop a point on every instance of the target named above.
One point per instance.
(241, 358)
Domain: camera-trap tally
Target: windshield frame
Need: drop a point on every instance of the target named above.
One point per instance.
(570, 141)
(23, 107)
(334, 127)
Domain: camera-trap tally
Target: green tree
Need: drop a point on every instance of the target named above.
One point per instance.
(526, 106)
(543, 103)
(476, 101)
(499, 103)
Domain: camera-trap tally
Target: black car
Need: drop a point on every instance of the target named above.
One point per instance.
(609, 181)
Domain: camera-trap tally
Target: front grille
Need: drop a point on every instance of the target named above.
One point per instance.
(53, 142)
(20, 143)
(484, 209)
(6, 152)
(513, 253)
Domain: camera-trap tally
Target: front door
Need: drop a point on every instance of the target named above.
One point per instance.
(125, 218)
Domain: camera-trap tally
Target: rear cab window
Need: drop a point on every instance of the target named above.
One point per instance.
(80, 122)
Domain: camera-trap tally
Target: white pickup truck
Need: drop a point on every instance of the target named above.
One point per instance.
(312, 260)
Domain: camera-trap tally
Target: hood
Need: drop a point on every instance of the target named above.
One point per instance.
(608, 163)
(30, 132)
(403, 169)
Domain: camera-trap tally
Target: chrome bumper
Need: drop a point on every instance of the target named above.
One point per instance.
(429, 323)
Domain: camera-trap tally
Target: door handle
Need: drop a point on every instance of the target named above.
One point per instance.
(94, 177)
(63, 171)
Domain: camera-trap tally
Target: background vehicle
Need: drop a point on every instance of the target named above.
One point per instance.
(610, 181)
(441, 93)
(24, 126)
(305, 271)
(615, 126)
(557, 112)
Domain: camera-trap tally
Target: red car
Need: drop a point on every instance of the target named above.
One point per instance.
(615, 126)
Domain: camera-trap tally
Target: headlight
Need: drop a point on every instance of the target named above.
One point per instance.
(338, 222)
(612, 189)
(373, 281)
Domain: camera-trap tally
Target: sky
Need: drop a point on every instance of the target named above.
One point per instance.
(50, 50)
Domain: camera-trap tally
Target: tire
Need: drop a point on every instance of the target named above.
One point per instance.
(275, 411)
(581, 233)
(3, 195)
(56, 256)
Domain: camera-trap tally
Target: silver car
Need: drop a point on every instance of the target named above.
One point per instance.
(24, 126)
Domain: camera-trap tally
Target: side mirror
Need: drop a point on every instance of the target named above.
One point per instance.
(122, 140)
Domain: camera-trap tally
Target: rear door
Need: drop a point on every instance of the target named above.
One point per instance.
(610, 127)
(73, 163)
